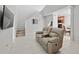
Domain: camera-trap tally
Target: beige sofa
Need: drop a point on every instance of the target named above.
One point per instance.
(53, 43)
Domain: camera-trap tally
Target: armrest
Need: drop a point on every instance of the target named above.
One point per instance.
(39, 34)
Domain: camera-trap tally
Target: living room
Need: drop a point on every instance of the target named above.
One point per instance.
(31, 19)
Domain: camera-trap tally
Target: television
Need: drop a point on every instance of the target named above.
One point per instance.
(0, 14)
(7, 18)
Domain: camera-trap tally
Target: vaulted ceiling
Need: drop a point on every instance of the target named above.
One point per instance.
(51, 8)
(25, 10)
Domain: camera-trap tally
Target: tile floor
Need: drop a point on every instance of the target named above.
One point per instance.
(24, 45)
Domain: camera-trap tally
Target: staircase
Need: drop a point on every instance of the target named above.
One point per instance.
(20, 33)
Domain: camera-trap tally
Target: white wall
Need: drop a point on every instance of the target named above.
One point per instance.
(6, 39)
(66, 12)
(22, 12)
(30, 28)
(55, 21)
(48, 19)
(12, 8)
(53, 15)
(7, 35)
(76, 22)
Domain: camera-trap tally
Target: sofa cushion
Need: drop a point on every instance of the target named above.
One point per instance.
(45, 32)
(53, 35)
(46, 40)
(60, 32)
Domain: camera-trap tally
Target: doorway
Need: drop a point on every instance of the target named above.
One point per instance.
(62, 19)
